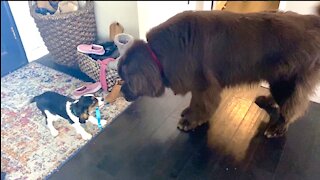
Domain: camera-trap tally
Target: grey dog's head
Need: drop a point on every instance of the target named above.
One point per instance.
(140, 74)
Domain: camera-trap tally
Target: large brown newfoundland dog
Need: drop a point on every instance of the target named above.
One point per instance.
(204, 52)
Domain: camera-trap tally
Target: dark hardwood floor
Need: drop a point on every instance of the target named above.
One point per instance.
(144, 143)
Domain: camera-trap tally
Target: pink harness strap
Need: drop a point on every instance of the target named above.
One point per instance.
(103, 64)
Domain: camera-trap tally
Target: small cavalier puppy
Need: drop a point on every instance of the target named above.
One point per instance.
(55, 106)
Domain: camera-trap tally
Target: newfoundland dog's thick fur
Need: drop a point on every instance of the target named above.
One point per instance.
(203, 52)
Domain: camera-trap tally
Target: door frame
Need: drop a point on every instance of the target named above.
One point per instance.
(16, 35)
(32, 41)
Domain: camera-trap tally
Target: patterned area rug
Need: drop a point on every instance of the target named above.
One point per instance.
(28, 150)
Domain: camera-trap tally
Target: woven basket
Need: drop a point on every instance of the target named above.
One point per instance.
(63, 32)
(91, 67)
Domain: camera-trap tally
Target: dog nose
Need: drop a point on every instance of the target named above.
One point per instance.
(102, 99)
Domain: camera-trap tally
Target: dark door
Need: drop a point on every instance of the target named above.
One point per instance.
(13, 55)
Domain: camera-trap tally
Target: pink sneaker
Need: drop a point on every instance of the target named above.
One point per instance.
(86, 89)
(91, 49)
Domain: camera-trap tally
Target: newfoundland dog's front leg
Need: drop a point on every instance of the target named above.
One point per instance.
(202, 106)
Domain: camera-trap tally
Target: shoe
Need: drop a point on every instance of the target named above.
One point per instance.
(67, 6)
(54, 4)
(43, 11)
(91, 49)
(86, 89)
(114, 29)
(123, 42)
(109, 48)
(45, 5)
(111, 51)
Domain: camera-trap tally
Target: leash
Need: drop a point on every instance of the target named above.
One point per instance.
(103, 65)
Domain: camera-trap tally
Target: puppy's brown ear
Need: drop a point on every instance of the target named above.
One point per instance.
(83, 117)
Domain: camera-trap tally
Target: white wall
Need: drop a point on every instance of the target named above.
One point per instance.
(29, 34)
(302, 7)
(305, 7)
(125, 12)
(152, 13)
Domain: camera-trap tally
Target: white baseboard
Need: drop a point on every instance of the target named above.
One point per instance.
(37, 53)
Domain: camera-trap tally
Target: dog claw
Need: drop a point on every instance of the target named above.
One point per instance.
(275, 131)
(187, 125)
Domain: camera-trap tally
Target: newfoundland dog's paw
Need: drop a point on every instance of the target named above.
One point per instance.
(186, 124)
(276, 130)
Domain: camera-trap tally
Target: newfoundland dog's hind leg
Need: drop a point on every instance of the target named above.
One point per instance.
(292, 97)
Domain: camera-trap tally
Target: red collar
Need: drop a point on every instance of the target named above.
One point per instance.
(155, 59)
